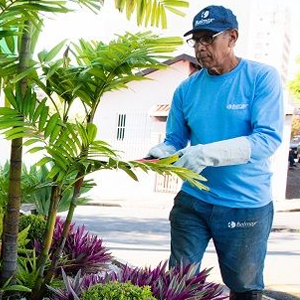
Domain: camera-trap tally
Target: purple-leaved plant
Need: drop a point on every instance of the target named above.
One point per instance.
(179, 283)
(82, 251)
(73, 287)
(85, 251)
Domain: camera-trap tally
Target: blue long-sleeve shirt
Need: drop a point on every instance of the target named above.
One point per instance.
(246, 101)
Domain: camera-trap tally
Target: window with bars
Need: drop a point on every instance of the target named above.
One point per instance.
(121, 127)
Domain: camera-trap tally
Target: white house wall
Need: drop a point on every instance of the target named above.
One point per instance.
(139, 98)
(141, 132)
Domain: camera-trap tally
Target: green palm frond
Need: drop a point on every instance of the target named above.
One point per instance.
(162, 166)
(93, 5)
(15, 13)
(165, 167)
(151, 12)
(29, 118)
(95, 68)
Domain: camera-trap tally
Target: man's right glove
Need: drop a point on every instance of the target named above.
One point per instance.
(162, 150)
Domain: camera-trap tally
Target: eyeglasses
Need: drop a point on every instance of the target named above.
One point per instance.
(205, 40)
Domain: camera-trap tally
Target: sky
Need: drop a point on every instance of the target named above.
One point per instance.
(109, 21)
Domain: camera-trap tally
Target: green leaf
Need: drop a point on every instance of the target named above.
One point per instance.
(165, 167)
(154, 12)
(8, 124)
(43, 118)
(129, 172)
(42, 55)
(61, 176)
(53, 172)
(17, 287)
(16, 136)
(8, 111)
(11, 42)
(38, 110)
(31, 141)
(9, 94)
(74, 135)
(27, 104)
(20, 135)
(36, 149)
(8, 33)
(52, 123)
(83, 134)
(168, 160)
(14, 131)
(163, 18)
(54, 51)
(91, 132)
(35, 34)
(23, 74)
(58, 159)
(55, 133)
(151, 9)
(175, 11)
(44, 161)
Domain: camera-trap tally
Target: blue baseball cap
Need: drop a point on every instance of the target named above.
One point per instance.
(214, 18)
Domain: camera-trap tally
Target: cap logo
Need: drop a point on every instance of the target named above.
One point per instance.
(205, 14)
(203, 22)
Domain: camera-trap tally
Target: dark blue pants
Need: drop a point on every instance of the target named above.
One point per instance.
(239, 236)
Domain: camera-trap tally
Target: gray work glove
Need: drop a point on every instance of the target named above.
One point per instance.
(224, 153)
(162, 150)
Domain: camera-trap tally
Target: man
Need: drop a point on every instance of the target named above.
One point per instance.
(225, 122)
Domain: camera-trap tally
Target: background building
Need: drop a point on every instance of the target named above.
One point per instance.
(270, 38)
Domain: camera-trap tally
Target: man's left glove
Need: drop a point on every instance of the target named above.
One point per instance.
(223, 153)
(162, 150)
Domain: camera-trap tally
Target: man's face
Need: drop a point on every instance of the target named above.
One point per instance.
(215, 51)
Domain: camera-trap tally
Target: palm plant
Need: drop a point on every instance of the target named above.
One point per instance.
(72, 148)
(102, 68)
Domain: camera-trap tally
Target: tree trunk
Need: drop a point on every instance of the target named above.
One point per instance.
(58, 252)
(37, 291)
(11, 225)
(11, 221)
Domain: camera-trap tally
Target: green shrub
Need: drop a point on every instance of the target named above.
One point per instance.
(36, 189)
(115, 290)
(37, 227)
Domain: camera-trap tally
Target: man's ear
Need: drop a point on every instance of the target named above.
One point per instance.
(233, 34)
